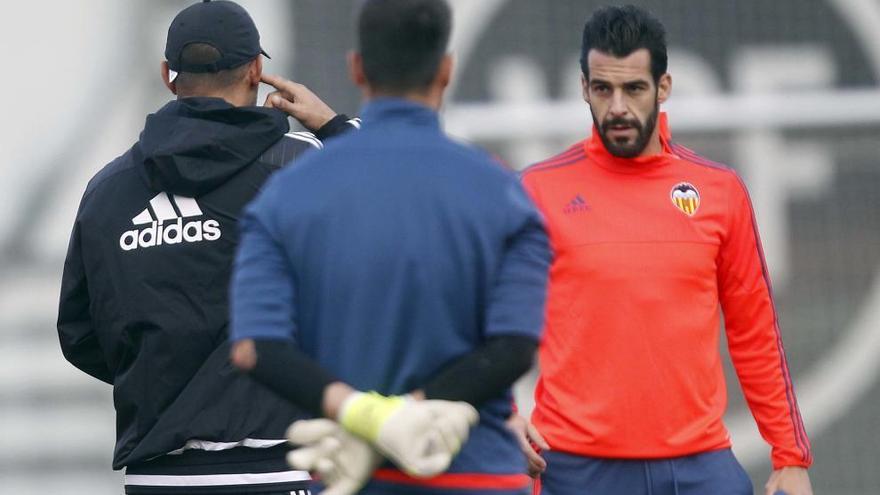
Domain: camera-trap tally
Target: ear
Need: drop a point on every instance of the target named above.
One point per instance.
(444, 72)
(166, 78)
(255, 71)
(356, 69)
(585, 88)
(664, 88)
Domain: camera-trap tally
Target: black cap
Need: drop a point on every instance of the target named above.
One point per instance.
(224, 25)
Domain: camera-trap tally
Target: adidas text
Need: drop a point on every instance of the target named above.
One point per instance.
(576, 205)
(170, 233)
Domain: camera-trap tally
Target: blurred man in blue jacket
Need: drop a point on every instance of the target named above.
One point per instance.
(407, 264)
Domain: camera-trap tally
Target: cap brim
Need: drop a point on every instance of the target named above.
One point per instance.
(172, 74)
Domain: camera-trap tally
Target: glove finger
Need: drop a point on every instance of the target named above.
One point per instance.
(327, 469)
(452, 433)
(303, 458)
(306, 458)
(308, 431)
(461, 423)
(356, 459)
(468, 412)
(426, 454)
(461, 410)
(453, 420)
(429, 465)
(330, 445)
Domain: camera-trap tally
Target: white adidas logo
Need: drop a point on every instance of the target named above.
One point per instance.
(174, 232)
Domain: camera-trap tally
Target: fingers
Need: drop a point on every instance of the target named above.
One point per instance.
(452, 433)
(535, 436)
(298, 101)
(309, 458)
(319, 458)
(304, 459)
(276, 81)
(431, 465)
(285, 94)
(283, 104)
(287, 88)
(277, 99)
(535, 469)
(422, 437)
(537, 464)
(326, 468)
(531, 454)
(458, 417)
(772, 483)
(469, 413)
(433, 456)
(453, 422)
(343, 462)
(306, 432)
(424, 454)
(318, 440)
(272, 99)
(524, 432)
(461, 411)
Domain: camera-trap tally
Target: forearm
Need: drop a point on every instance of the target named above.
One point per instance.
(290, 373)
(761, 366)
(283, 368)
(486, 372)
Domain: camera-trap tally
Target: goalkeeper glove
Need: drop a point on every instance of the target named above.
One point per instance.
(343, 461)
(421, 437)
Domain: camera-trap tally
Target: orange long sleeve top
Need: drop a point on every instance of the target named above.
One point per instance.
(648, 251)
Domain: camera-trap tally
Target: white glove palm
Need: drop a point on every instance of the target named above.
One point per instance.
(343, 461)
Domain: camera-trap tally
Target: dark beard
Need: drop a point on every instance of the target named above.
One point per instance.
(636, 147)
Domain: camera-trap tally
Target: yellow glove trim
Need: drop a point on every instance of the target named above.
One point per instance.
(364, 414)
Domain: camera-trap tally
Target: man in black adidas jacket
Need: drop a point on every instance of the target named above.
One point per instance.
(144, 292)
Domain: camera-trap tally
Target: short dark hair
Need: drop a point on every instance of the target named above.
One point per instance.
(402, 42)
(619, 31)
(202, 54)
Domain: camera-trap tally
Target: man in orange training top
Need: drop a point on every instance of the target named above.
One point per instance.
(651, 242)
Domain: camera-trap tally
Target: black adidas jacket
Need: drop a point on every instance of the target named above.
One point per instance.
(144, 292)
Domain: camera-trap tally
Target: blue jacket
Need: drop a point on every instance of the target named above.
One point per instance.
(389, 255)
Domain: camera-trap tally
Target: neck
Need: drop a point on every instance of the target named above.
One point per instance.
(654, 147)
(234, 98)
(429, 98)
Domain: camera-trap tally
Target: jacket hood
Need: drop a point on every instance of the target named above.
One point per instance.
(193, 145)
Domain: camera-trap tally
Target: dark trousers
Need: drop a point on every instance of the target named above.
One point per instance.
(239, 490)
(375, 488)
(716, 473)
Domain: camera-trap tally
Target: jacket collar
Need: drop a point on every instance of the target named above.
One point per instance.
(388, 109)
